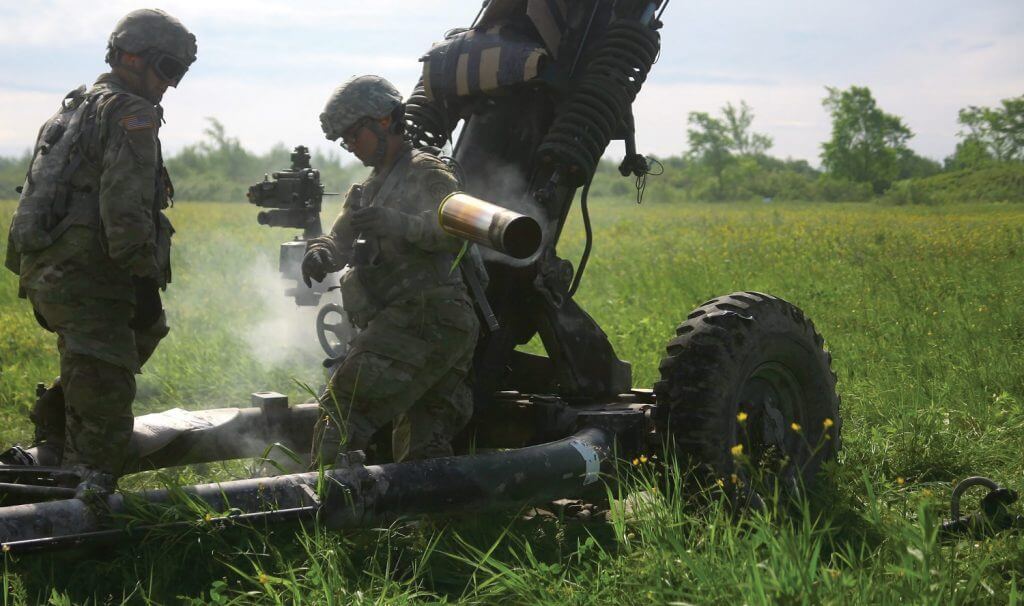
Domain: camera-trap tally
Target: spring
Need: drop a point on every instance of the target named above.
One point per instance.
(597, 107)
(426, 122)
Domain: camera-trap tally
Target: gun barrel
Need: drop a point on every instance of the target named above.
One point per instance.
(476, 220)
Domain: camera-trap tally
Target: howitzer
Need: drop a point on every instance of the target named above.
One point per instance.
(540, 88)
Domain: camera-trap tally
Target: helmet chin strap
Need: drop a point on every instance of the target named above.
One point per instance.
(382, 142)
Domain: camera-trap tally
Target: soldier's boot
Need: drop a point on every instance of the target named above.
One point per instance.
(48, 417)
(333, 443)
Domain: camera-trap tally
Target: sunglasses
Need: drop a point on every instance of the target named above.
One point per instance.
(169, 68)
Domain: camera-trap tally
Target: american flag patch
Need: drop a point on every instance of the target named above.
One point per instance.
(137, 122)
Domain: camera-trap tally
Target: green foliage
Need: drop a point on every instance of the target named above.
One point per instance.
(995, 182)
(913, 166)
(743, 142)
(908, 192)
(717, 143)
(746, 178)
(969, 154)
(709, 143)
(999, 131)
(867, 144)
(12, 174)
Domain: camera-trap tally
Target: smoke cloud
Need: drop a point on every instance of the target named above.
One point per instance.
(287, 332)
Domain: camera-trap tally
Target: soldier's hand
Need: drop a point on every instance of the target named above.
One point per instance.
(315, 265)
(379, 221)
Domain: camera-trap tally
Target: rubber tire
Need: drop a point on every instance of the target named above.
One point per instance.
(715, 352)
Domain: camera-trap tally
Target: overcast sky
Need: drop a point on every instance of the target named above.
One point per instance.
(265, 69)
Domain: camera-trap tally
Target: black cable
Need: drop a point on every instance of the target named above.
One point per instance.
(590, 241)
(641, 179)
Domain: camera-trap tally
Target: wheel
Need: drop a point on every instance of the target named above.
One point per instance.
(333, 335)
(747, 393)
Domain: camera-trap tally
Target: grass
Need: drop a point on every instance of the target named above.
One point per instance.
(920, 307)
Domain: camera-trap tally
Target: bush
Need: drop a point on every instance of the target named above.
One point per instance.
(907, 192)
(1003, 182)
(834, 189)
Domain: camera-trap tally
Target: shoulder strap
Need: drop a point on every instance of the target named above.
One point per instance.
(394, 176)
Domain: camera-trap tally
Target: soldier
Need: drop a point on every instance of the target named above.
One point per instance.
(399, 285)
(92, 247)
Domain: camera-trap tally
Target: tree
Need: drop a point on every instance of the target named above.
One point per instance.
(743, 142)
(913, 166)
(709, 142)
(716, 142)
(998, 131)
(867, 144)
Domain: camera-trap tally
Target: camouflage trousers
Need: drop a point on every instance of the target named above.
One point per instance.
(408, 367)
(87, 414)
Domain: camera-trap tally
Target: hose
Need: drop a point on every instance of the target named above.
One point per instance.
(595, 111)
(426, 122)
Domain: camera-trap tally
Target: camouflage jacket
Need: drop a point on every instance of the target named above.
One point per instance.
(418, 264)
(123, 184)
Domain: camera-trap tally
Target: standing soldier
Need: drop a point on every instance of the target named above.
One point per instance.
(409, 363)
(92, 247)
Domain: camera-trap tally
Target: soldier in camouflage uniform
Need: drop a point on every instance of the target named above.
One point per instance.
(97, 285)
(409, 363)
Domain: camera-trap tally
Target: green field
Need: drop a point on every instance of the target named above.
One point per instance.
(922, 309)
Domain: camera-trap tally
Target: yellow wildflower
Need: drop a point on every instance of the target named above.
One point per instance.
(6, 547)
(636, 461)
(795, 426)
(643, 458)
(737, 450)
(900, 481)
(828, 423)
(735, 479)
(263, 578)
(718, 481)
(741, 417)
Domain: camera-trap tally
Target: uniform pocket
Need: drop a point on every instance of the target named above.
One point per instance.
(457, 314)
(396, 346)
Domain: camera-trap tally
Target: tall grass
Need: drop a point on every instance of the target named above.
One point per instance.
(920, 307)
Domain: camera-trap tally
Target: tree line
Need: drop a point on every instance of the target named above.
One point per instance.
(217, 168)
(867, 156)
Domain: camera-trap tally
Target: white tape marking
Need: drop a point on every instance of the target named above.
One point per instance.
(591, 458)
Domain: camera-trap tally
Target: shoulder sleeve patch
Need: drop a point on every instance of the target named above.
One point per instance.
(137, 122)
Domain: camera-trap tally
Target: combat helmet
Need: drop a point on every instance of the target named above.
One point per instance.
(360, 97)
(168, 46)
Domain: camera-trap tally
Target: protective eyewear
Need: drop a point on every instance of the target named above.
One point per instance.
(169, 68)
(348, 138)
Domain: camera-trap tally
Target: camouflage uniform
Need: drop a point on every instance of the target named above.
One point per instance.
(81, 287)
(410, 362)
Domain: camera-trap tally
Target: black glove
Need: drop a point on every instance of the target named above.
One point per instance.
(316, 265)
(148, 306)
(380, 221)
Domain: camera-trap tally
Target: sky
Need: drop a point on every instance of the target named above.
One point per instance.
(266, 68)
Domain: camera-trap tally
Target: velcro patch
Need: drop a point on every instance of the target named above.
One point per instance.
(137, 122)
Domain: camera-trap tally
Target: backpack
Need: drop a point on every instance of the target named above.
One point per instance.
(44, 196)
